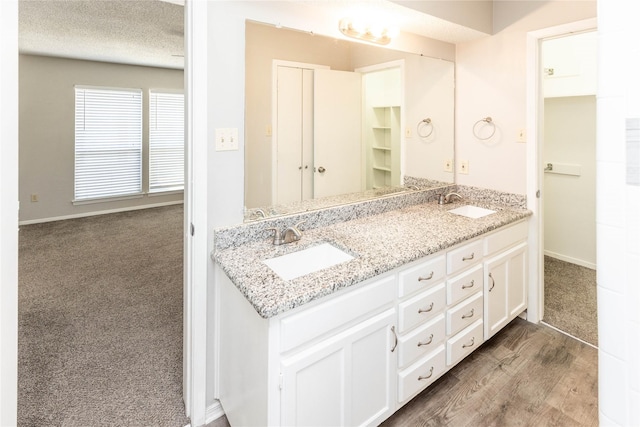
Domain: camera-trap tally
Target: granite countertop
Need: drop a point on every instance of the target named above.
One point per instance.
(379, 243)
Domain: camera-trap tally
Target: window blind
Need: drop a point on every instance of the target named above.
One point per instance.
(166, 141)
(108, 143)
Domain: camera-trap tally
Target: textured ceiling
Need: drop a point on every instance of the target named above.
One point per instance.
(151, 32)
(139, 32)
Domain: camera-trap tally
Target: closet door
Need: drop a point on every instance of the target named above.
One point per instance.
(295, 135)
(337, 132)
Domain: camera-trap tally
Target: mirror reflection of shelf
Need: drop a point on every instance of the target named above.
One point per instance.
(385, 146)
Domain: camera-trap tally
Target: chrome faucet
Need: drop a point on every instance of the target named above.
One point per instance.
(290, 234)
(445, 199)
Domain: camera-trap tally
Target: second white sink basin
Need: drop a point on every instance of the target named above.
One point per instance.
(471, 211)
(307, 261)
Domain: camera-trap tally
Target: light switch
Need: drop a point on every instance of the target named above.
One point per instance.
(226, 139)
(448, 165)
(522, 135)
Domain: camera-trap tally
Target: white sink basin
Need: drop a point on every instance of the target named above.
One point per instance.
(471, 211)
(307, 261)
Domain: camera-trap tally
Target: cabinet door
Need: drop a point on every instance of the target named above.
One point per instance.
(345, 380)
(505, 288)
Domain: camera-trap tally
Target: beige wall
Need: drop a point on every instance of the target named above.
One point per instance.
(47, 131)
(570, 200)
(491, 81)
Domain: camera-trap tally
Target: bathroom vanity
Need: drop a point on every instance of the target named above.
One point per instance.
(352, 343)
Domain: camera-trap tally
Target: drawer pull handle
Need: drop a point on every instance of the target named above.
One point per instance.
(395, 338)
(420, 279)
(469, 258)
(425, 310)
(426, 377)
(420, 344)
(473, 339)
(470, 285)
(493, 282)
(468, 315)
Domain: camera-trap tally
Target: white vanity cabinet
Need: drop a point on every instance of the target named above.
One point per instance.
(356, 356)
(505, 272)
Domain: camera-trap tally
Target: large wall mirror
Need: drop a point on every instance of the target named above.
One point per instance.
(330, 121)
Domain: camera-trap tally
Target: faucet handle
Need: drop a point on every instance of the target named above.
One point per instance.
(441, 199)
(277, 235)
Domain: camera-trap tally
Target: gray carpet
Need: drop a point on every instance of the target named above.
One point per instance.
(570, 299)
(100, 321)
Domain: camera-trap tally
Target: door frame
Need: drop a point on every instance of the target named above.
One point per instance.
(397, 63)
(535, 105)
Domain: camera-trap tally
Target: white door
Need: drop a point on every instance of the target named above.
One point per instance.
(289, 125)
(348, 379)
(337, 132)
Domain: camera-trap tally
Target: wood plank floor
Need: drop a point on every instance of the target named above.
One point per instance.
(526, 375)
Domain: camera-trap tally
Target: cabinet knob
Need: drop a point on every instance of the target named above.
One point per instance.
(429, 277)
(473, 339)
(468, 315)
(426, 310)
(429, 341)
(321, 169)
(395, 336)
(426, 377)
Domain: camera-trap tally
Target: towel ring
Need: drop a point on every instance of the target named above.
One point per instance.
(422, 124)
(488, 121)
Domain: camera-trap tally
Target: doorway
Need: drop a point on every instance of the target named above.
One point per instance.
(568, 104)
(177, 319)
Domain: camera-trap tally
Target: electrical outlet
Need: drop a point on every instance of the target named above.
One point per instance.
(448, 165)
(408, 133)
(464, 167)
(34, 197)
(522, 135)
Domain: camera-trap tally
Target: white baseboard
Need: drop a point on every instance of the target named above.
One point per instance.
(570, 259)
(213, 412)
(93, 213)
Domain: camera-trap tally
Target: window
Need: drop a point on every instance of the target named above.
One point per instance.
(166, 141)
(108, 143)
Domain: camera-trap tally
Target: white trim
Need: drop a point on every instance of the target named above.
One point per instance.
(94, 213)
(571, 260)
(196, 211)
(214, 412)
(107, 199)
(535, 311)
(9, 212)
(274, 116)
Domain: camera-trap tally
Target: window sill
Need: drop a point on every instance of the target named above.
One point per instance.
(106, 199)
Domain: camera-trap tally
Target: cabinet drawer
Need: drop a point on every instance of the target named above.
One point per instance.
(315, 321)
(422, 373)
(421, 276)
(468, 283)
(464, 314)
(421, 341)
(463, 257)
(504, 238)
(421, 308)
(464, 343)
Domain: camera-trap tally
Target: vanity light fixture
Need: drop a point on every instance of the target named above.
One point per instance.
(369, 32)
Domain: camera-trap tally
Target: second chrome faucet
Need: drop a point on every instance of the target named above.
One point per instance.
(445, 199)
(290, 234)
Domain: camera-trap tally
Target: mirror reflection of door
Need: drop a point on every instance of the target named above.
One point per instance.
(337, 132)
(318, 124)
